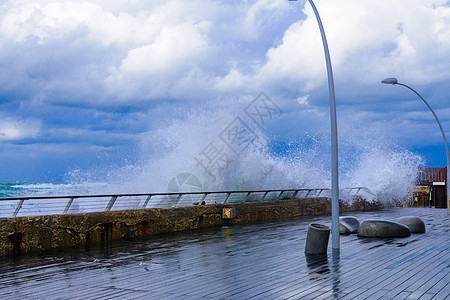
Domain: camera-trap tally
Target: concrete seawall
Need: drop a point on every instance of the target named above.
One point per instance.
(42, 233)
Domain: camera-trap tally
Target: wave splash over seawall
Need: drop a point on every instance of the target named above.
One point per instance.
(227, 146)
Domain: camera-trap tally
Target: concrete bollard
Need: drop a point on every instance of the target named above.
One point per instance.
(317, 239)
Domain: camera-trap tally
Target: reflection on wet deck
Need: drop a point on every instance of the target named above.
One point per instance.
(259, 261)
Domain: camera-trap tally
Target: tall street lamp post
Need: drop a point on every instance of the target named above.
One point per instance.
(334, 141)
(394, 81)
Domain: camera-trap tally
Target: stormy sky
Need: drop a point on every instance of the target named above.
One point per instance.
(83, 82)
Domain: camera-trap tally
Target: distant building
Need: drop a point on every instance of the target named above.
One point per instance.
(431, 188)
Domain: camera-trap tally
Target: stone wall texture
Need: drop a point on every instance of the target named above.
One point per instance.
(42, 233)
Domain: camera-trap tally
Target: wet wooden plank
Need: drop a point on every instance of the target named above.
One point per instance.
(402, 295)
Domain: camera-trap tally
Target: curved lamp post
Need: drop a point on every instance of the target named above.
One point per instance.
(394, 81)
(334, 141)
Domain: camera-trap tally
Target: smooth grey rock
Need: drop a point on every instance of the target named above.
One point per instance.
(415, 224)
(348, 224)
(317, 239)
(382, 229)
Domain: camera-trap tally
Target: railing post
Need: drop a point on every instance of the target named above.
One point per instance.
(264, 197)
(111, 203)
(228, 196)
(178, 200)
(146, 201)
(320, 192)
(246, 197)
(203, 198)
(309, 192)
(68, 206)
(19, 206)
(279, 196)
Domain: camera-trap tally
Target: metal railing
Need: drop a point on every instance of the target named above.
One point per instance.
(432, 175)
(66, 204)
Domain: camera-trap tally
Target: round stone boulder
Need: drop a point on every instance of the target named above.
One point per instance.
(415, 224)
(382, 229)
(348, 224)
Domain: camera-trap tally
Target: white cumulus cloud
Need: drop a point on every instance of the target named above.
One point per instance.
(13, 129)
(367, 40)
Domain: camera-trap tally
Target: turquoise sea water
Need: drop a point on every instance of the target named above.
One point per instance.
(34, 207)
(8, 190)
(24, 189)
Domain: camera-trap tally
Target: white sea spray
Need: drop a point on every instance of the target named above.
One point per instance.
(174, 150)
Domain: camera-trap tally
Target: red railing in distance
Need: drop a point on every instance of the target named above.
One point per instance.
(432, 174)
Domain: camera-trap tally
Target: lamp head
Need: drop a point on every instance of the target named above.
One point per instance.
(389, 80)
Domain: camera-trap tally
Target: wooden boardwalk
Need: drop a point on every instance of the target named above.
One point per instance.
(257, 261)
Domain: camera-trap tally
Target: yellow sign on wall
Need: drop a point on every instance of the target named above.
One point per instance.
(228, 213)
